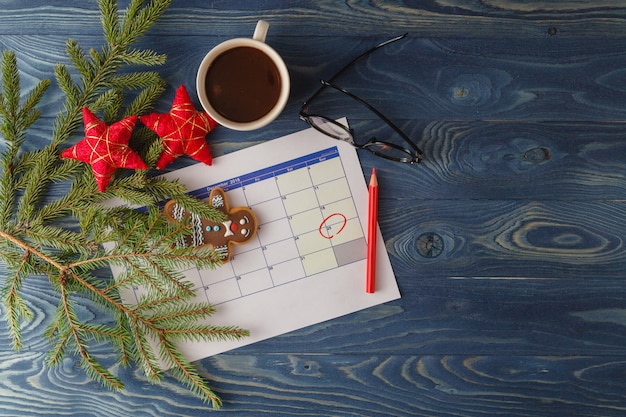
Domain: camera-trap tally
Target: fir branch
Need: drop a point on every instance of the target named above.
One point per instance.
(152, 304)
(8, 189)
(198, 332)
(58, 238)
(16, 119)
(35, 182)
(10, 86)
(144, 353)
(136, 80)
(110, 20)
(138, 20)
(57, 352)
(153, 148)
(79, 59)
(185, 372)
(28, 114)
(146, 99)
(161, 286)
(7, 193)
(68, 87)
(59, 172)
(142, 57)
(17, 310)
(79, 200)
(33, 244)
(109, 102)
(175, 310)
(101, 333)
(193, 205)
(92, 367)
(124, 345)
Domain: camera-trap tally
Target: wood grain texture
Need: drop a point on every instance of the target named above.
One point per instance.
(448, 18)
(507, 242)
(414, 79)
(464, 348)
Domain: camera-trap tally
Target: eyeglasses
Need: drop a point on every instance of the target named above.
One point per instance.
(330, 127)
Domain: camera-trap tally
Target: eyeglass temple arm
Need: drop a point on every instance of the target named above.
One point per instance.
(369, 51)
(349, 64)
(379, 114)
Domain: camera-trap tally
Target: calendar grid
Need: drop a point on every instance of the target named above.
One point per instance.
(308, 224)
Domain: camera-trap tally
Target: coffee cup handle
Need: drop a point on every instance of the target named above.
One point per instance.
(260, 31)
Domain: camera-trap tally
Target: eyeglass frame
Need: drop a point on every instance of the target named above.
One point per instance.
(412, 157)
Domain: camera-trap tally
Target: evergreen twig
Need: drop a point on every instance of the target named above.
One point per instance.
(32, 243)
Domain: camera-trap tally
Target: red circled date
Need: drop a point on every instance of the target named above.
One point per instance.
(344, 220)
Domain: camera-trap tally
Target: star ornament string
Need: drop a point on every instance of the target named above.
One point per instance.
(105, 147)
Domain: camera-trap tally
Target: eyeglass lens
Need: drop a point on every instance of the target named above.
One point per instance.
(330, 127)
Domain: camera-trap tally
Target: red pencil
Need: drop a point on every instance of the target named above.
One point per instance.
(372, 221)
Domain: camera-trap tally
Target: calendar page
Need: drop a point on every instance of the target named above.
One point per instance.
(306, 263)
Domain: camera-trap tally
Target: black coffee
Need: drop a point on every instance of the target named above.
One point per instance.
(243, 84)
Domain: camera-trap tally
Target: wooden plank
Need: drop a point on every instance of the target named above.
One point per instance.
(366, 385)
(482, 316)
(507, 238)
(382, 385)
(414, 79)
(453, 18)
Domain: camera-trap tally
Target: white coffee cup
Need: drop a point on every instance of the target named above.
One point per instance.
(242, 88)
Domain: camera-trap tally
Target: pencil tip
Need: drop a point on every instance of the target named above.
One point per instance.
(373, 179)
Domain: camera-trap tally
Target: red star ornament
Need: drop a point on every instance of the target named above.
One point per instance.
(105, 147)
(183, 130)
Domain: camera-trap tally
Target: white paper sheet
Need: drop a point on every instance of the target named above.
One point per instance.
(306, 263)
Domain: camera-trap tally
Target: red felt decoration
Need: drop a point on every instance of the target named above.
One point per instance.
(105, 147)
(183, 130)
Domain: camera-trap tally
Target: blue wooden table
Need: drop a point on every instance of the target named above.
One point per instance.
(508, 241)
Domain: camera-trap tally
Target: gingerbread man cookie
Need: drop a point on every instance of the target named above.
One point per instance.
(240, 226)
